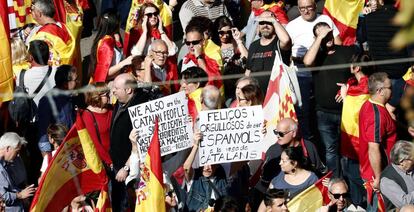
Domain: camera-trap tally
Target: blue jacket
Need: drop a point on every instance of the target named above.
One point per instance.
(200, 191)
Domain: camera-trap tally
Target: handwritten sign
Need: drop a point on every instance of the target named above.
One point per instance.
(231, 135)
(175, 130)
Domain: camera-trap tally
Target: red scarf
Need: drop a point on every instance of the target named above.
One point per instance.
(155, 33)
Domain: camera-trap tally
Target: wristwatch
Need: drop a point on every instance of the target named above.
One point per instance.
(126, 168)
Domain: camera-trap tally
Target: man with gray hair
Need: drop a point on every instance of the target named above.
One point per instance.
(60, 40)
(10, 145)
(397, 179)
(377, 135)
(210, 98)
(338, 194)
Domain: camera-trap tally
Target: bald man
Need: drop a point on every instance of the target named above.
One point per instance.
(159, 67)
(127, 94)
(288, 136)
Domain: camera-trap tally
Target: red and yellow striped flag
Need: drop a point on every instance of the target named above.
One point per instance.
(344, 14)
(132, 33)
(19, 13)
(6, 72)
(312, 198)
(150, 194)
(278, 103)
(357, 94)
(74, 170)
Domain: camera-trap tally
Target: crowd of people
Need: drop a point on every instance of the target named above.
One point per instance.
(349, 120)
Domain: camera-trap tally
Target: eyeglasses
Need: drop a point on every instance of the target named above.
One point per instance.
(170, 194)
(194, 42)
(307, 8)
(337, 196)
(281, 134)
(161, 53)
(149, 15)
(223, 32)
(265, 23)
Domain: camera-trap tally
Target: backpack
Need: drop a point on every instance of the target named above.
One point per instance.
(22, 108)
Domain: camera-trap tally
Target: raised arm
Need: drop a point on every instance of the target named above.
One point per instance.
(189, 161)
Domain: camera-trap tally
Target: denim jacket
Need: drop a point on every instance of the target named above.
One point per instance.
(200, 191)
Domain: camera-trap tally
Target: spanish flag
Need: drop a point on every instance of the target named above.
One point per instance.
(74, 170)
(312, 198)
(344, 14)
(19, 13)
(356, 95)
(150, 194)
(61, 43)
(6, 72)
(132, 28)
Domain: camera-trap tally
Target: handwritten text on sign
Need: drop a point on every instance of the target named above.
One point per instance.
(231, 135)
(175, 130)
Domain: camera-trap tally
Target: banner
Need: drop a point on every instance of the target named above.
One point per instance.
(231, 135)
(175, 128)
(6, 73)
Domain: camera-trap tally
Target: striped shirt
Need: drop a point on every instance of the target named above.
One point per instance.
(193, 8)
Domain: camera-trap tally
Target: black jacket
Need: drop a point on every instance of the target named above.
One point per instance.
(121, 126)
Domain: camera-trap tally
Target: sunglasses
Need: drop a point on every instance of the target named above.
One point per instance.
(281, 134)
(343, 195)
(194, 42)
(222, 32)
(170, 194)
(149, 15)
(265, 23)
(160, 53)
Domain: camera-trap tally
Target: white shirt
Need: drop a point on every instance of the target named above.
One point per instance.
(32, 79)
(301, 33)
(46, 160)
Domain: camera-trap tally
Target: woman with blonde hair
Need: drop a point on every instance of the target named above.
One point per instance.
(19, 55)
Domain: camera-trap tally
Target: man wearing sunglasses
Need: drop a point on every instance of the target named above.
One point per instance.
(338, 194)
(262, 52)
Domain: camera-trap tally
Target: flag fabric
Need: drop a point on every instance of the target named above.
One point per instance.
(61, 43)
(132, 33)
(150, 194)
(19, 13)
(277, 8)
(279, 102)
(103, 204)
(357, 94)
(74, 170)
(312, 198)
(6, 72)
(408, 77)
(344, 14)
(370, 196)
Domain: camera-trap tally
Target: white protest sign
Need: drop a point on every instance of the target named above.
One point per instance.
(175, 130)
(231, 135)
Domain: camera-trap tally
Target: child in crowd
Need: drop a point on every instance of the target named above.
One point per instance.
(56, 133)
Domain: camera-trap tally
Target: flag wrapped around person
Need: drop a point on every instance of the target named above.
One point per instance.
(356, 95)
(6, 72)
(74, 170)
(132, 28)
(150, 192)
(312, 198)
(345, 16)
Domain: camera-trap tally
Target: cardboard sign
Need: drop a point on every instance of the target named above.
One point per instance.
(231, 135)
(175, 129)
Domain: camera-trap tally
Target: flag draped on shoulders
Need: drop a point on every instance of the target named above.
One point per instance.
(61, 43)
(74, 170)
(104, 58)
(6, 72)
(312, 198)
(344, 14)
(278, 102)
(19, 13)
(357, 94)
(150, 194)
(132, 28)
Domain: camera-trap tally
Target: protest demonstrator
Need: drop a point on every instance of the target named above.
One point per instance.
(175, 129)
(231, 135)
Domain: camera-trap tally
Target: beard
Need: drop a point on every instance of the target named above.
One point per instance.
(267, 34)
